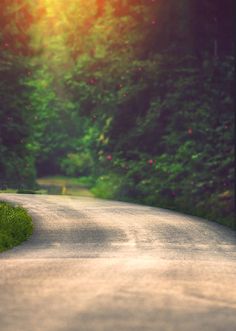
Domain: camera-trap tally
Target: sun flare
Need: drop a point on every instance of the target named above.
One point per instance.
(59, 7)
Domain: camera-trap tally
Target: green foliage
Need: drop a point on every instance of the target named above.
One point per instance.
(16, 158)
(108, 186)
(86, 181)
(25, 191)
(77, 164)
(15, 226)
(138, 94)
(180, 151)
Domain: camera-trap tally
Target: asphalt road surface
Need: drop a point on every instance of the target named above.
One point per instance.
(96, 265)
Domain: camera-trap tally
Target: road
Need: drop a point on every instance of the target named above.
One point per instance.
(96, 265)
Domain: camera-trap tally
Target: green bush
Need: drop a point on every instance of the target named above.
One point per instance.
(177, 153)
(15, 226)
(86, 181)
(80, 164)
(108, 186)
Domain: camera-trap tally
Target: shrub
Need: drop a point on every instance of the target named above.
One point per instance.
(15, 226)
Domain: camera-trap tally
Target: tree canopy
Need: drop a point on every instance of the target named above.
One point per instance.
(137, 94)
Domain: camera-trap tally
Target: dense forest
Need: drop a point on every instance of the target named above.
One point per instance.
(136, 95)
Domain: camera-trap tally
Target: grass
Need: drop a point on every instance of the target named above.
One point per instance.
(15, 226)
(77, 186)
(26, 191)
(85, 182)
(8, 190)
(62, 185)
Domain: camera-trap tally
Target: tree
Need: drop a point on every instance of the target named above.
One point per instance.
(16, 161)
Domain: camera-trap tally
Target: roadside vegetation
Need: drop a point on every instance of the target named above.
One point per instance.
(78, 186)
(15, 226)
(134, 98)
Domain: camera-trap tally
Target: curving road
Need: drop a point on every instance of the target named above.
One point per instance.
(96, 265)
